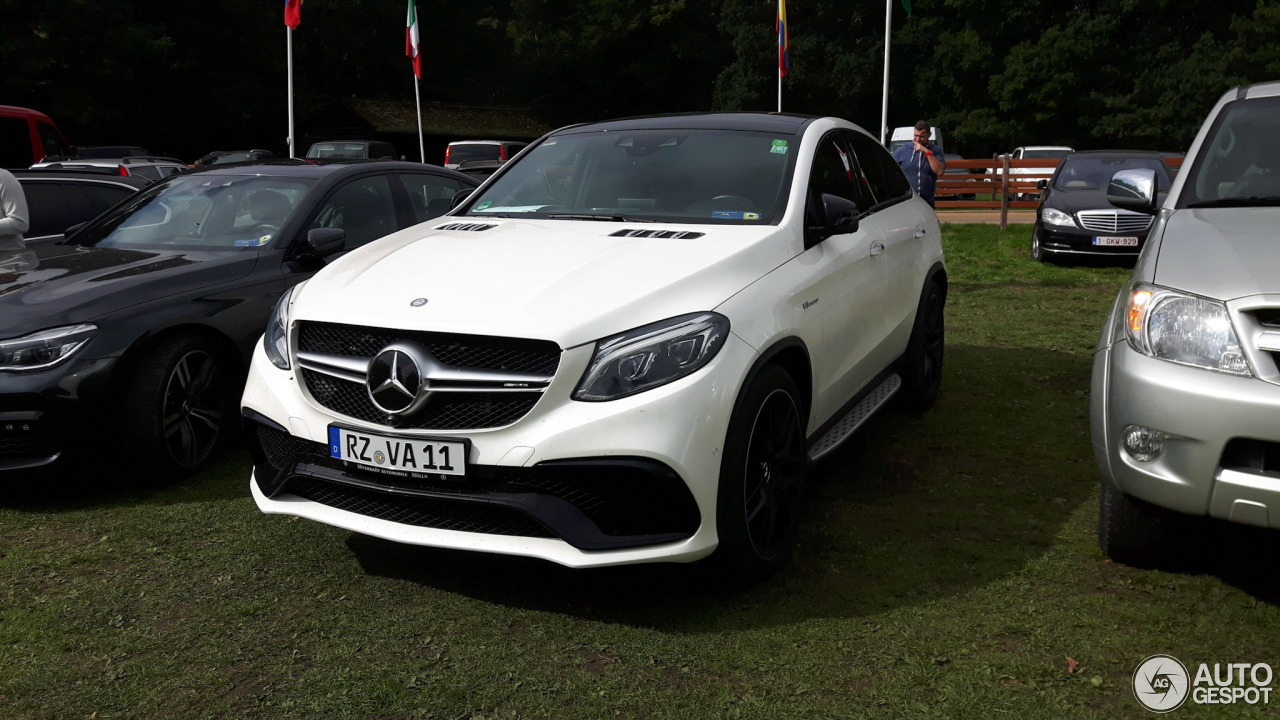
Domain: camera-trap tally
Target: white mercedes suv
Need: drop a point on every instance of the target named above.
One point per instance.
(625, 347)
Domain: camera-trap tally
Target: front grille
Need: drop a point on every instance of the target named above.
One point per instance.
(445, 411)
(1114, 221)
(19, 447)
(420, 512)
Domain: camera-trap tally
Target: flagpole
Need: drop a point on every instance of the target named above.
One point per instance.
(289, 44)
(884, 108)
(422, 152)
(779, 90)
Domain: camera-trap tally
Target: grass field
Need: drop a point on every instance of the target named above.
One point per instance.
(947, 568)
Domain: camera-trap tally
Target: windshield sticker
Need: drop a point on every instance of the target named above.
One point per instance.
(254, 242)
(510, 208)
(779, 147)
(484, 204)
(734, 215)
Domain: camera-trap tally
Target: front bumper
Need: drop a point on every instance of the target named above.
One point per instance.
(1075, 241)
(49, 417)
(678, 427)
(1219, 426)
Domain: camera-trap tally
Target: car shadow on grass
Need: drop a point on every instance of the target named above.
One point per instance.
(915, 508)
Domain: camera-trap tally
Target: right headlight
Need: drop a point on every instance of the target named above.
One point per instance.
(652, 355)
(276, 339)
(1056, 217)
(1182, 328)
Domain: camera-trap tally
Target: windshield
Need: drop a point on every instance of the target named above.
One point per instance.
(1239, 162)
(704, 176)
(463, 153)
(1045, 154)
(206, 212)
(231, 158)
(337, 150)
(1090, 171)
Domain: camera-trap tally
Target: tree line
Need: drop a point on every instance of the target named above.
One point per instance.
(186, 78)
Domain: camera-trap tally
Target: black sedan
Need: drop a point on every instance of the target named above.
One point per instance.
(126, 343)
(1074, 218)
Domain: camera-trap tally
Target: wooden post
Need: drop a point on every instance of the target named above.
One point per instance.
(1004, 194)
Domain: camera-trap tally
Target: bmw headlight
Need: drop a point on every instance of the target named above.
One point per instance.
(44, 349)
(652, 355)
(1183, 328)
(276, 339)
(1056, 217)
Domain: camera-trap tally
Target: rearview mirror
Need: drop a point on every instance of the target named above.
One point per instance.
(1134, 190)
(837, 215)
(323, 242)
(460, 196)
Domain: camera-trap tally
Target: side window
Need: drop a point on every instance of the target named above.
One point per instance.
(430, 196)
(362, 207)
(833, 171)
(147, 171)
(45, 202)
(884, 176)
(50, 140)
(105, 196)
(15, 143)
(79, 207)
(167, 170)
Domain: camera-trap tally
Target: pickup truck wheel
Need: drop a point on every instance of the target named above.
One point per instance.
(1128, 532)
(174, 409)
(921, 368)
(761, 475)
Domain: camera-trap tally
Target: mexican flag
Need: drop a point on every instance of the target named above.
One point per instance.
(411, 46)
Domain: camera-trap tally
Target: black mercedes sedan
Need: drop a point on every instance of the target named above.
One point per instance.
(126, 343)
(1074, 218)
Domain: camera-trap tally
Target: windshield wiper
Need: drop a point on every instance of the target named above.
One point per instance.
(1255, 201)
(590, 216)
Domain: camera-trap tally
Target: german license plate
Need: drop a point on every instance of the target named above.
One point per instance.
(1116, 241)
(397, 454)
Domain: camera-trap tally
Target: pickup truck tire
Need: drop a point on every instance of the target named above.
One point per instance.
(1128, 530)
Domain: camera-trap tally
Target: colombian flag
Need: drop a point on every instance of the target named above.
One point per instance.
(292, 13)
(784, 43)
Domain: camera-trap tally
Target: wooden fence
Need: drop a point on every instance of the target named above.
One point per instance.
(994, 178)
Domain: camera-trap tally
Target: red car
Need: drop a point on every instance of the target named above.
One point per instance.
(27, 136)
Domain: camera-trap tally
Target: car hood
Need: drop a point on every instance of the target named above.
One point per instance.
(567, 281)
(51, 285)
(1222, 253)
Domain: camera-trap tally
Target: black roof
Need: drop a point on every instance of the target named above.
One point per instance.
(105, 174)
(781, 124)
(318, 168)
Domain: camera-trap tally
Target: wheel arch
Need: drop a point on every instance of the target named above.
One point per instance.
(792, 355)
(226, 350)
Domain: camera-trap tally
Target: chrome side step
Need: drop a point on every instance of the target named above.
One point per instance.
(854, 419)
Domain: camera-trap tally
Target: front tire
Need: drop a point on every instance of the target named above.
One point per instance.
(921, 368)
(1037, 252)
(1128, 530)
(175, 408)
(761, 476)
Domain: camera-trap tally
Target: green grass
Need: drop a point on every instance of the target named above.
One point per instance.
(947, 568)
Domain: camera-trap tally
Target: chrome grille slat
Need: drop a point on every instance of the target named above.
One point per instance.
(1114, 221)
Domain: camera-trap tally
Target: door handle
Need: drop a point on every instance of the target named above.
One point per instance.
(876, 249)
(919, 232)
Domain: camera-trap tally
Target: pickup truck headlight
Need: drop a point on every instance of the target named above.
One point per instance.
(276, 339)
(1182, 328)
(1056, 217)
(44, 349)
(652, 355)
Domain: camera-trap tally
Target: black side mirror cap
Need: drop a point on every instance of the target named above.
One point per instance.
(460, 196)
(1042, 184)
(323, 242)
(1136, 190)
(838, 215)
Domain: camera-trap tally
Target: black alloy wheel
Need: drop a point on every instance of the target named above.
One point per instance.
(772, 474)
(922, 364)
(193, 402)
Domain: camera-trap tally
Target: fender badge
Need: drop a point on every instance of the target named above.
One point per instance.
(418, 303)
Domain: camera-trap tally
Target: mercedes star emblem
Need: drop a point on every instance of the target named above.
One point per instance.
(418, 303)
(394, 381)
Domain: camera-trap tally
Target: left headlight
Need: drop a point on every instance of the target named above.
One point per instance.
(1182, 328)
(276, 339)
(652, 355)
(44, 349)
(1056, 217)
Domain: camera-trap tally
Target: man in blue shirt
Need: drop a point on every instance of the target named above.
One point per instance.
(922, 162)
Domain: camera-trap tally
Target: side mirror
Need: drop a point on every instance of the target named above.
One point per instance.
(460, 196)
(1134, 190)
(323, 242)
(1042, 184)
(73, 230)
(837, 215)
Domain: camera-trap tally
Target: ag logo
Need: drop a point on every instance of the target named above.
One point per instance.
(1161, 683)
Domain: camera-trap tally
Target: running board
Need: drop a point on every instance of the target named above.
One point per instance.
(854, 419)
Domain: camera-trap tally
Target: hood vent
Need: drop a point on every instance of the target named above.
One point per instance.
(466, 227)
(676, 234)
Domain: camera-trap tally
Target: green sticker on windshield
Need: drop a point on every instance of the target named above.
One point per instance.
(780, 143)
(484, 204)
(779, 147)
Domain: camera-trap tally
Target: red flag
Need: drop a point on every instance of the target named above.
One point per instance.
(292, 13)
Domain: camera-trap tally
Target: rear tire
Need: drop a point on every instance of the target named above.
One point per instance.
(175, 409)
(1128, 530)
(761, 476)
(921, 368)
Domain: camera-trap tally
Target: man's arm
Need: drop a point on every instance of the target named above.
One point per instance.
(14, 219)
(937, 162)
